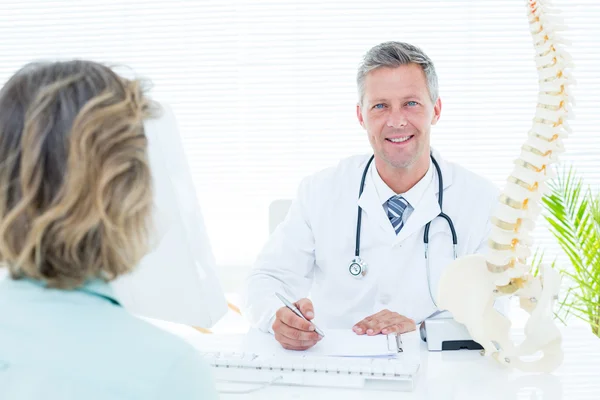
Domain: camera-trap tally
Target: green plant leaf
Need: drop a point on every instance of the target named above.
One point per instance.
(573, 216)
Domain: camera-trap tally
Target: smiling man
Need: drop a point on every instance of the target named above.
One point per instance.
(354, 238)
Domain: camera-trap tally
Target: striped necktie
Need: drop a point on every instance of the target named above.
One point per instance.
(396, 207)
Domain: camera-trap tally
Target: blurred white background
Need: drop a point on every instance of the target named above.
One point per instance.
(265, 93)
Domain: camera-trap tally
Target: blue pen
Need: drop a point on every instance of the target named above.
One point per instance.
(297, 312)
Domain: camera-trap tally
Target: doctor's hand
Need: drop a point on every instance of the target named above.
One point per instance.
(291, 331)
(385, 322)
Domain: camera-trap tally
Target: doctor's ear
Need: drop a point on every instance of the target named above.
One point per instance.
(359, 115)
(437, 111)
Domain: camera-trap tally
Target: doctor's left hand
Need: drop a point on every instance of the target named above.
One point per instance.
(385, 322)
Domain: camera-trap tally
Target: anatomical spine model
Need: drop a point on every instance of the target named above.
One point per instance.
(470, 285)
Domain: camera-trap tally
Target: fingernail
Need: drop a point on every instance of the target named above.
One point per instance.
(311, 328)
(309, 314)
(357, 329)
(385, 331)
(370, 331)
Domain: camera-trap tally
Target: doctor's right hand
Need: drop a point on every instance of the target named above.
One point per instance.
(291, 331)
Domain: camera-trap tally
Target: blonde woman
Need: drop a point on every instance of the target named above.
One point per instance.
(75, 203)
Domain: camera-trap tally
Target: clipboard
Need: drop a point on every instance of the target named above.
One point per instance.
(336, 343)
(394, 342)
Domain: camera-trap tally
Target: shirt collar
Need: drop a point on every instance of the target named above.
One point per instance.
(100, 288)
(413, 196)
(93, 287)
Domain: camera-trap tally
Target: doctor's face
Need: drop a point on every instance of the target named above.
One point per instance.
(397, 113)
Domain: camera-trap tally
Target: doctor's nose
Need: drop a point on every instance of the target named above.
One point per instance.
(396, 119)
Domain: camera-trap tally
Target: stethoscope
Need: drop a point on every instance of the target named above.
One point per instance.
(358, 267)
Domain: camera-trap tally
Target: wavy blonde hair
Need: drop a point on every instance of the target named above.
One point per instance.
(75, 184)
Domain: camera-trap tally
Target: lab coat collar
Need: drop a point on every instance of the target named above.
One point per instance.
(428, 207)
(370, 203)
(425, 211)
(446, 169)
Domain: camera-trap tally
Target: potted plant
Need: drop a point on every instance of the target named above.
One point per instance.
(573, 214)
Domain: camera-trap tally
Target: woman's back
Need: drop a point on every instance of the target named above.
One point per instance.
(57, 344)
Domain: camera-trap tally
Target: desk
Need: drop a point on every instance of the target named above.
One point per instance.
(449, 375)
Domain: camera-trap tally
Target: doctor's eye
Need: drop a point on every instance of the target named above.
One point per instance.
(412, 103)
(379, 106)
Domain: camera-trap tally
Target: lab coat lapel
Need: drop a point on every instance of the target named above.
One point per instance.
(423, 212)
(429, 208)
(371, 207)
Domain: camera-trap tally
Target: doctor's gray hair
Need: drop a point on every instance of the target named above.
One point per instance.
(393, 55)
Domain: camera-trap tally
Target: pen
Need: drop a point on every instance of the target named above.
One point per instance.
(297, 312)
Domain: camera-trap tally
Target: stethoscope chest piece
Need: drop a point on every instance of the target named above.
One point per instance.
(357, 267)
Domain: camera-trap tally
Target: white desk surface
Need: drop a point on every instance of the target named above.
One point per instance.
(449, 375)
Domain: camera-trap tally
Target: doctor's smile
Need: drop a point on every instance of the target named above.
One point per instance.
(399, 140)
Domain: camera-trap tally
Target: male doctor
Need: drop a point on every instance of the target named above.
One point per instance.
(311, 251)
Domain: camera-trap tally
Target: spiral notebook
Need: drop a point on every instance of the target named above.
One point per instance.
(372, 363)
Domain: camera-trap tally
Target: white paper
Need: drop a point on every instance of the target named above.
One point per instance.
(337, 342)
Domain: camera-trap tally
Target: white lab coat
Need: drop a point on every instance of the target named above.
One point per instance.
(309, 253)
